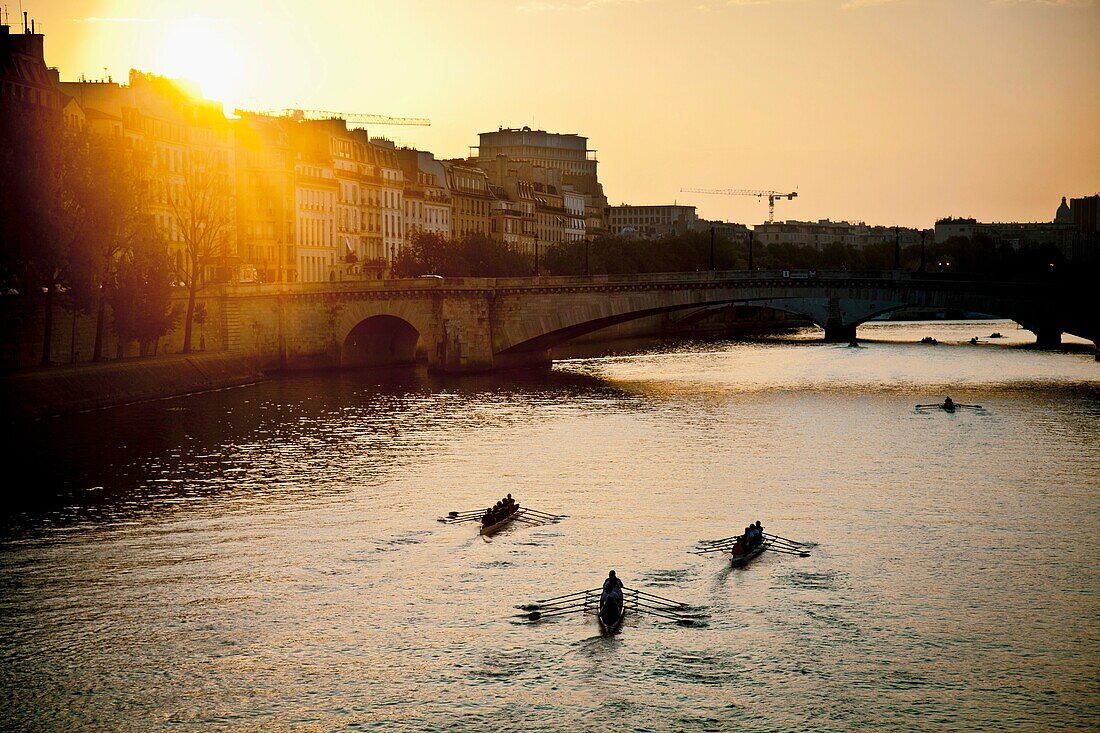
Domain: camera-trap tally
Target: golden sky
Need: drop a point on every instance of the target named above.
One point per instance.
(886, 111)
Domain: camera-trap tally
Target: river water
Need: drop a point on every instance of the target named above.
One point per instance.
(268, 558)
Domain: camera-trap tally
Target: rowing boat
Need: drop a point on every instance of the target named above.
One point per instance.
(740, 561)
(612, 609)
(488, 529)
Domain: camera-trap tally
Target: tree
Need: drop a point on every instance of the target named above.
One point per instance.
(112, 217)
(140, 295)
(201, 203)
(36, 211)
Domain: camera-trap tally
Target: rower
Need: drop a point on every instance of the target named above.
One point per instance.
(948, 404)
(612, 581)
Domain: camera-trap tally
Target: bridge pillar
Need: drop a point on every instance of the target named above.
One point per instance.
(1048, 336)
(837, 332)
(462, 339)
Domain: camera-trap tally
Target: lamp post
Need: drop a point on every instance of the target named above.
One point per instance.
(586, 271)
(923, 234)
(536, 253)
(751, 234)
(712, 249)
(897, 248)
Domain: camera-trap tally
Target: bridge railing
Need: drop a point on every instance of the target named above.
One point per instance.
(428, 283)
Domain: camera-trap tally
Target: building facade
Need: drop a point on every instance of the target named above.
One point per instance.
(471, 200)
(651, 221)
(428, 206)
(568, 154)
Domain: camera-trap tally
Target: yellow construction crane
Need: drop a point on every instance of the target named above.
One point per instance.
(354, 118)
(772, 196)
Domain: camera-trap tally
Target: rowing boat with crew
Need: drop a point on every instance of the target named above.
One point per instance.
(751, 544)
(610, 605)
(500, 515)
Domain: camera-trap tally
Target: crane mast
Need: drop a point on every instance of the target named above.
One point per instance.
(772, 195)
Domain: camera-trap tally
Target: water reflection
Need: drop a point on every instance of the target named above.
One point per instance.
(269, 558)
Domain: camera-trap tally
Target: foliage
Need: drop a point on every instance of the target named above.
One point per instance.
(140, 295)
(474, 255)
(201, 202)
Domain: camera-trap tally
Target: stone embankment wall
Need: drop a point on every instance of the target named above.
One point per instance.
(44, 392)
(22, 327)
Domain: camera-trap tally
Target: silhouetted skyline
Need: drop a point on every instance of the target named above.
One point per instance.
(886, 111)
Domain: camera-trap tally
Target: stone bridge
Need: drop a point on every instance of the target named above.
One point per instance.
(478, 324)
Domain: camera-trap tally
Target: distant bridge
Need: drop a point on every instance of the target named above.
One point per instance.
(479, 324)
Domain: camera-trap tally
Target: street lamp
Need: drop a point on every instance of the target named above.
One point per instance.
(751, 234)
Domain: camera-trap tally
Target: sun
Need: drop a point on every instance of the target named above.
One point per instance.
(203, 50)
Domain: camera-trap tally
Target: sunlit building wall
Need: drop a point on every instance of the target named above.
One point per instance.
(549, 214)
(564, 152)
(574, 215)
(427, 201)
(315, 192)
(265, 199)
(182, 148)
(393, 198)
(651, 221)
(470, 199)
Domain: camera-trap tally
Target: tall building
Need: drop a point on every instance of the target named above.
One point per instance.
(25, 80)
(316, 192)
(265, 199)
(427, 200)
(471, 199)
(567, 153)
(651, 221)
(393, 197)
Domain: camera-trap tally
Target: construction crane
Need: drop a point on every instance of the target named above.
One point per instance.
(772, 196)
(354, 118)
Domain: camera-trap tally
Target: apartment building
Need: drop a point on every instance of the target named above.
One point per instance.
(471, 199)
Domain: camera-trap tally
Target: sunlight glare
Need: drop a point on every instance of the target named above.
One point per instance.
(201, 50)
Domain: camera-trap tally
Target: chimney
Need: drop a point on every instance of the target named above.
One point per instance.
(25, 26)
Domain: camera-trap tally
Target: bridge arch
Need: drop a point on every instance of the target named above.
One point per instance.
(381, 340)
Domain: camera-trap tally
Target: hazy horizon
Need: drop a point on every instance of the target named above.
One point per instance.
(886, 111)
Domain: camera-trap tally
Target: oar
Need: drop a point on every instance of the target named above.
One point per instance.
(536, 615)
(722, 541)
(642, 603)
(938, 404)
(784, 543)
(785, 539)
(544, 514)
(653, 595)
(678, 619)
(570, 595)
(972, 407)
(710, 549)
(784, 551)
(460, 520)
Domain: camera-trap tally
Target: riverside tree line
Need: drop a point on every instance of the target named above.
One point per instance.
(76, 230)
(480, 256)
